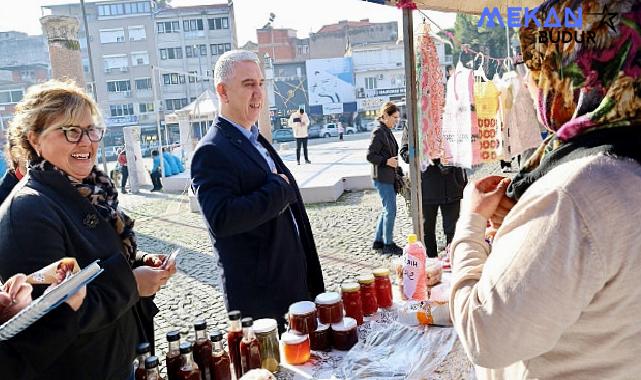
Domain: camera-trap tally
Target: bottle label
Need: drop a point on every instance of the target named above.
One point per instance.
(410, 276)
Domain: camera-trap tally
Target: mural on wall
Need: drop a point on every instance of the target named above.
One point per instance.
(330, 84)
(290, 88)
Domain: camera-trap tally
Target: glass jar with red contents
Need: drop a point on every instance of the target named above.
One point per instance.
(383, 288)
(320, 339)
(368, 293)
(295, 347)
(330, 307)
(344, 334)
(352, 301)
(302, 317)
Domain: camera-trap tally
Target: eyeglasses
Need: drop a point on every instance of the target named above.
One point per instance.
(74, 134)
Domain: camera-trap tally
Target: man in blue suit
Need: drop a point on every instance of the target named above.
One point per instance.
(251, 202)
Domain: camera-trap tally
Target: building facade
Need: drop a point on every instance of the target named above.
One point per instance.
(147, 61)
(14, 82)
(21, 49)
(335, 40)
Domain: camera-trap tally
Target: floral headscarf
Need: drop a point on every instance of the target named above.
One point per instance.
(588, 86)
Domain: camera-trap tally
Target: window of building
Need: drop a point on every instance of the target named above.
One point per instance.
(173, 78)
(370, 83)
(139, 58)
(191, 25)
(194, 51)
(217, 49)
(302, 49)
(218, 23)
(175, 104)
(108, 36)
(146, 107)
(124, 8)
(193, 77)
(118, 85)
(137, 33)
(115, 61)
(143, 84)
(168, 27)
(171, 53)
(10, 96)
(121, 109)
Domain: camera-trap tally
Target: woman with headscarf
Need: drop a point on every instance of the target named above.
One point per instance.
(66, 207)
(557, 295)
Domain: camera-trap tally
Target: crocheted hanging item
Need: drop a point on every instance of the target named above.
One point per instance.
(431, 98)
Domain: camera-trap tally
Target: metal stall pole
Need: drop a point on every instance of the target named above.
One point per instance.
(156, 87)
(411, 103)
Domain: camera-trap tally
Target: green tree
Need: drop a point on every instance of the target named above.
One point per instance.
(491, 41)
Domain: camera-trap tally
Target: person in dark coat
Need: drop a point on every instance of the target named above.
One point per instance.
(441, 188)
(14, 172)
(66, 207)
(251, 202)
(382, 153)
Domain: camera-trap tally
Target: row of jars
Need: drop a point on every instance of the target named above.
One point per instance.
(364, 296)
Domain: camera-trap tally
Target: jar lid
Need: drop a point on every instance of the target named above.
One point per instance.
(200, 325)
(143, 348)
(264, 325)
(247, 322)
(322, 327)
(290, 337)
(185, 347)
(173, 336)
(328, 298)
(234, 315)
(151, 362)
(302, 308)
(349, 287)
(345, 325)
(365, 279)
(380, 272)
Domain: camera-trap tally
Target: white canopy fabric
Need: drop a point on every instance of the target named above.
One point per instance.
(204, 107)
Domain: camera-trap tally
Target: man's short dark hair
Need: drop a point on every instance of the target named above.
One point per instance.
(154, 152)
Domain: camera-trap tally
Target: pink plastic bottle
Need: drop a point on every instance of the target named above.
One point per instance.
(414, 281)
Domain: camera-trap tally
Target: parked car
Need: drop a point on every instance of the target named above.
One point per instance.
(314, 131)
(331, 130)
(283, 134)
(369, 125)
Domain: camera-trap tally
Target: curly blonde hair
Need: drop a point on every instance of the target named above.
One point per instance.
(42, 104)
(387, 109)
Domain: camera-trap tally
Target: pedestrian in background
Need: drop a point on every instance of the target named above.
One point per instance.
(299, 122)
(124, 170)
(441, 188)
(341, 130)
(383, 155)
(156, 173)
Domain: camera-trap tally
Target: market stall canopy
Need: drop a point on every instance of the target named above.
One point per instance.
(204, 107)
(467, 6)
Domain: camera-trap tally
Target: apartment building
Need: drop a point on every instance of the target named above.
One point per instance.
(138, 50)
(189, 41)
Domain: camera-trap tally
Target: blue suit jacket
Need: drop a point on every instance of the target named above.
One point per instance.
(267, 264)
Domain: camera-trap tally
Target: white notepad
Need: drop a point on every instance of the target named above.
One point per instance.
(49, 301)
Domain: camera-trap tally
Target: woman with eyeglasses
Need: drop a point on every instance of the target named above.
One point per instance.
(66, 207)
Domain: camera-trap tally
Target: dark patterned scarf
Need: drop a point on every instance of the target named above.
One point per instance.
(101, 193)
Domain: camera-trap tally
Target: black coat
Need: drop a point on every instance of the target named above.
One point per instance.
(382, 147)
(439, 184)
(7, 184)
(267, 264)
(44, 220)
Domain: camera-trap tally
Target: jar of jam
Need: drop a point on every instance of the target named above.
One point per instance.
(352, 301)
(296, 347)
(302, 317)
(330, 307)
(344, 334)
(383, 288)
(267, 334)
(368, 294)
(320, 339)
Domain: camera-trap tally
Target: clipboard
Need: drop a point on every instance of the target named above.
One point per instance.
(49, 301)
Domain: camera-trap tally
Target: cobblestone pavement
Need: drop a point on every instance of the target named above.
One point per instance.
(343, 232)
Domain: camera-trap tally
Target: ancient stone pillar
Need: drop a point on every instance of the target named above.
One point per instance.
(64, 48)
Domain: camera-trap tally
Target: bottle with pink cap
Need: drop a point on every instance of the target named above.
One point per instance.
(414, 280)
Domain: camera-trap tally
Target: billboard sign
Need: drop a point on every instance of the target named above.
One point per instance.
(330, 83)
